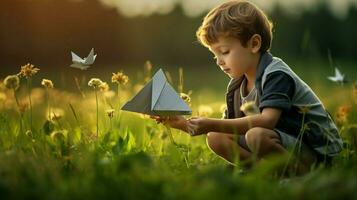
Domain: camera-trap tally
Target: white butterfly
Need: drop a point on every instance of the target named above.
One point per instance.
(84, 63)
(338, 78)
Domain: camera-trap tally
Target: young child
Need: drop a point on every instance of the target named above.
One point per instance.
(239, 35)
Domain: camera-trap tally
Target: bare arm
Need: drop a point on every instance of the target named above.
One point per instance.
(267, 119)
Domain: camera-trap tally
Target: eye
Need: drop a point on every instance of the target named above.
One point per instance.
(225, 52)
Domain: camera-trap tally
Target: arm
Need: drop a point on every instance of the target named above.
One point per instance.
(267, 119)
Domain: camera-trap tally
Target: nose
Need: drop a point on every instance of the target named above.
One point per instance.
(219, 62)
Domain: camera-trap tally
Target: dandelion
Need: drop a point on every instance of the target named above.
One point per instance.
(96, 83)
(28, 71)
(120, 78)
(205, 111)
(249, 108)
(12, 82)
(47, 83)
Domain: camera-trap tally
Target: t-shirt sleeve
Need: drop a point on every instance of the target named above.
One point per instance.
(277, 92)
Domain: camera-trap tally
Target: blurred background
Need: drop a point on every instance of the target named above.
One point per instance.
(126, 33)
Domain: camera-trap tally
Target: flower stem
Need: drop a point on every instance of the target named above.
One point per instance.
(30, 102)
(96, 99)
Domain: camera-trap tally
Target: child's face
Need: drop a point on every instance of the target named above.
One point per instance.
(234, 59)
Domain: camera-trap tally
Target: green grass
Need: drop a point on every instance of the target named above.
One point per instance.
(136, 158)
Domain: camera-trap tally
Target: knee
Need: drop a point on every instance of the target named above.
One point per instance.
(254, 137)
(214, 140)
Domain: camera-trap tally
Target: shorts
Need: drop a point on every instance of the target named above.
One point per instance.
(292, 144)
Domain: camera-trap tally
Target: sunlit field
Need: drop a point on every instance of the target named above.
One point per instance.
(66, 137)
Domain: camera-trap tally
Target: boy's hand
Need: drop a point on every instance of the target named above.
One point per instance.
(198, 125)
(177, 122)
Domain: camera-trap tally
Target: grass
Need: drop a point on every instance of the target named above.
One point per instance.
(133, 157)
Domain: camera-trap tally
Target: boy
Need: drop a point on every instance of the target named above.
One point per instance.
(239, 35)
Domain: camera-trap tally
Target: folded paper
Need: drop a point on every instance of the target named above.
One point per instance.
(159, 98)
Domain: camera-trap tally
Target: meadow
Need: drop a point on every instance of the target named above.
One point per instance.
(60, 143)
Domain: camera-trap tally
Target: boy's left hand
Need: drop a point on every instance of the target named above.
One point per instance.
(198, 125)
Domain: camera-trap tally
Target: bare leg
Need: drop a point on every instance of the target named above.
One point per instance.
(264, 141)
(226, 146)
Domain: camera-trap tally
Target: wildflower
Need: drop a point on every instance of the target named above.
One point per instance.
(185, 97)
(28, 70)
(342, 114)
(104, 87)
(110, 113)
(47, 83)
(204, 111)
(12, 82)
(249, 108)
(95, 83)
(120, 78)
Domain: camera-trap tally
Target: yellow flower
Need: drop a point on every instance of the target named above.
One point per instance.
(110, 113)
(249, 108)
(104, 87)
(205, 111)
(95, 83)
(28, 70)
(47, 83)
(12, 82)
(120, 78)
(185, 97)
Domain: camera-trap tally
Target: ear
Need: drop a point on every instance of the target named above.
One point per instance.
(255, 43)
